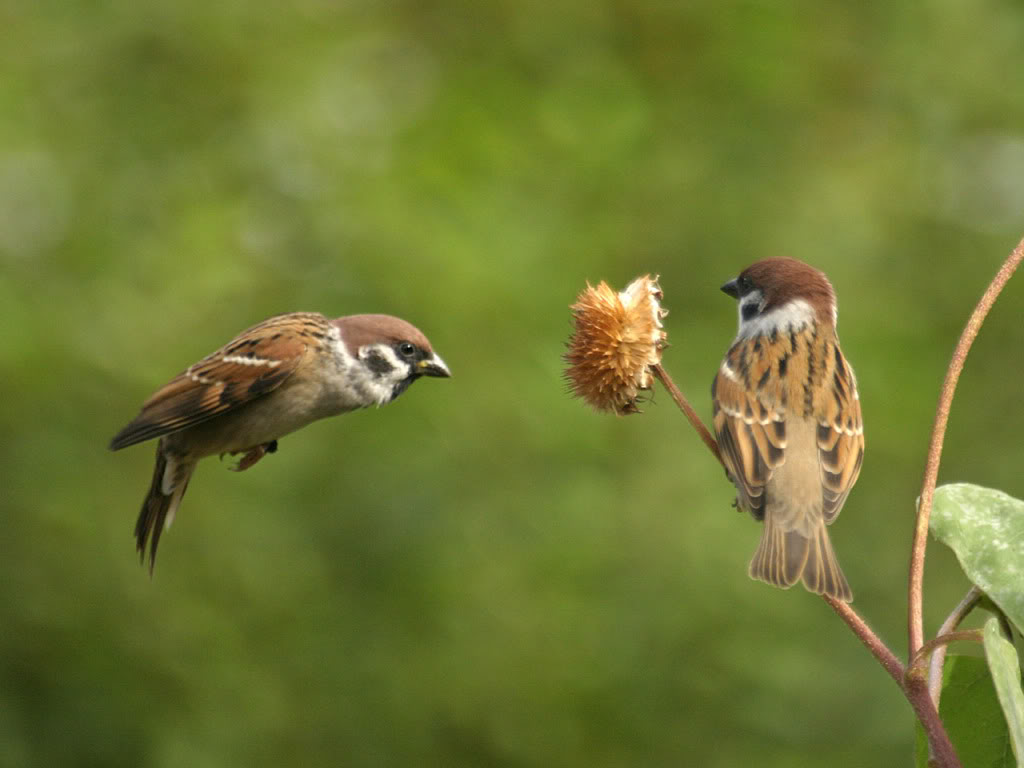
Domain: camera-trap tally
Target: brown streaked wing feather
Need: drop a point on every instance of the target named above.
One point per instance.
(752, 438)
(214, 385)
(840, 440)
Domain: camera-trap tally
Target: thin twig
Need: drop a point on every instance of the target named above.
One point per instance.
(971, 599)
(687, 409)
(915, 589)
(917, 694)
(860, 628)
(917, 665)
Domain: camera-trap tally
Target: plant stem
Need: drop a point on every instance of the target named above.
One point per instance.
(939, 745)
(917, 693)
(687, 409)
(860, 628)
(915, 589)
(917, 665)
(971, 599)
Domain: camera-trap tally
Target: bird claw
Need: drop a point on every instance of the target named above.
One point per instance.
(253, 455)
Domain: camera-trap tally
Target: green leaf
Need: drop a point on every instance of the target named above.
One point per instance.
(985, 528)
(1005, 668)
(973, 718)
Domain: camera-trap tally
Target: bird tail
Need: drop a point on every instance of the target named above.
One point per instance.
(160, 504)
(786, 556)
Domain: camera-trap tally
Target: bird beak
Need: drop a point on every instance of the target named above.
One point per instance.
(433, 366)
(731, 289)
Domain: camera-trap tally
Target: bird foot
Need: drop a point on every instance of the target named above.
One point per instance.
(253, 455)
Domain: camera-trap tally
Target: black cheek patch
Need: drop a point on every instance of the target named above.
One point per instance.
(749, 311)
(379, 364)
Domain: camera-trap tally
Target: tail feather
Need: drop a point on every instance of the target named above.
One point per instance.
(785, 557)
(159, 507)
(822, 573)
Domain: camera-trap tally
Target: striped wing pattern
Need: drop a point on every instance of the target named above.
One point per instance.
(765, 381)
(255, 362)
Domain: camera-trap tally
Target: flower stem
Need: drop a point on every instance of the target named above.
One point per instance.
(915, 595)
(687, 409)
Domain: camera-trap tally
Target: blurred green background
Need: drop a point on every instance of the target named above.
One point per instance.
(485, 573)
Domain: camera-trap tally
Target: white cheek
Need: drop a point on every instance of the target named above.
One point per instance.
(793, 315)
(398, 369)
(351, 384)
(342, 359)
(380, 385)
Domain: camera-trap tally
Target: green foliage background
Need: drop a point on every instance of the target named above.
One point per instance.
(484, 573)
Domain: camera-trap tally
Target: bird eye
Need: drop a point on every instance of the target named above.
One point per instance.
(744, 284)
(407, 349)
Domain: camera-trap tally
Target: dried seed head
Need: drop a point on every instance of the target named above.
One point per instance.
(616, 338)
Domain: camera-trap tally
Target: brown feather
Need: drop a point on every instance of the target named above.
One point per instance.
(366, 329)
(782, 280)
(159, 507)
(316, 367)
(221, 382)
(763, 389)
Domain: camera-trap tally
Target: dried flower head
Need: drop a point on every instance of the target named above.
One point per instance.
(616, 339)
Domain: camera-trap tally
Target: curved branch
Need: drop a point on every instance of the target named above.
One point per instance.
(916, 668)
(971, 599)
(915, 589)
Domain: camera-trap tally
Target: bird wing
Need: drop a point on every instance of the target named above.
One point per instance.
(255, 362)
(751, 430)
(840, 438)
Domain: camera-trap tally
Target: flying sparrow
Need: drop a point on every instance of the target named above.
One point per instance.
(787, 416)
(270, 380)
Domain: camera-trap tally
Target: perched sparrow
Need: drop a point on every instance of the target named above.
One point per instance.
(270, 380)
(788, 421)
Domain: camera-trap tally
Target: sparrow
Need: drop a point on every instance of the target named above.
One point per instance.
(270, 380)
(787, 416)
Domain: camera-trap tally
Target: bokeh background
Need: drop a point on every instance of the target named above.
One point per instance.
(485, 573)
